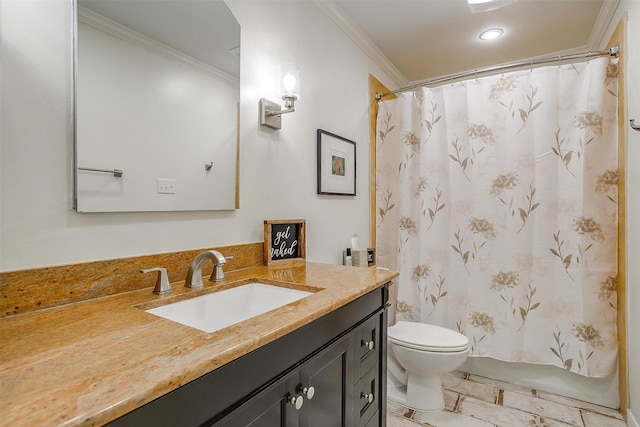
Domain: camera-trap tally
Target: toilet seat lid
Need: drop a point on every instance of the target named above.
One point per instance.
(422, 336)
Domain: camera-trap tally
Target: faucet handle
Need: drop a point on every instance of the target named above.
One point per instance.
(217, 275)
(162, 282)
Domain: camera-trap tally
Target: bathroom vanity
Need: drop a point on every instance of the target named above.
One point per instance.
(320, 360)
(327, 373)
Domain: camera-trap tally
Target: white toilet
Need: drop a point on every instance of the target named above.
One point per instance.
(417, 355)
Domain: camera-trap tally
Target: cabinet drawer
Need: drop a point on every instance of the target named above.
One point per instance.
(367, 393)
(367, 345)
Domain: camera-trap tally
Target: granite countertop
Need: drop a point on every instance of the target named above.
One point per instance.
(90, 362)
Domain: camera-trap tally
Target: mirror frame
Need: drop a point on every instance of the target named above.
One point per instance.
(73, 124)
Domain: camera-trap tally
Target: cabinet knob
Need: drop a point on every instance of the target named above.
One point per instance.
(370, 345)
(368, 396)
(309, 392)
(296, 401)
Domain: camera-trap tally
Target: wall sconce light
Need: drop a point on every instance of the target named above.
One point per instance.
(289, 88)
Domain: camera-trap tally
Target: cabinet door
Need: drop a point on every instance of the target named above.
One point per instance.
(270, 408)
(330, 373)
(321, 385)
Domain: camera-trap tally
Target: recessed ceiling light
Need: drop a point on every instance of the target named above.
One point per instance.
(491, 34)
(478, 1)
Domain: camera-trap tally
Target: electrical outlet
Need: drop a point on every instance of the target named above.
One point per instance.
(166, 186)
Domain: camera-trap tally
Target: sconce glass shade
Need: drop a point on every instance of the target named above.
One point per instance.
(289, 83)
(289, 89)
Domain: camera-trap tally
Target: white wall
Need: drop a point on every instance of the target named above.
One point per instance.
(632, 8)
(277, 168)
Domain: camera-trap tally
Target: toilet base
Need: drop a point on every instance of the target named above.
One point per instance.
(425, 394)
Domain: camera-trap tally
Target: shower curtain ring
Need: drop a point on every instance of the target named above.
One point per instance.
(589, 57)
(531, 65)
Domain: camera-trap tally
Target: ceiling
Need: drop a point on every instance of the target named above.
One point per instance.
(424, 39)
(412, 40)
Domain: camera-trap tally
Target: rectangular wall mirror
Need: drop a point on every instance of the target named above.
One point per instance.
(156, 105)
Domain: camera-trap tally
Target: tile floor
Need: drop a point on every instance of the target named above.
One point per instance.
(473, 401)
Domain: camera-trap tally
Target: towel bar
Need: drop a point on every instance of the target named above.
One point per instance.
(116, 172)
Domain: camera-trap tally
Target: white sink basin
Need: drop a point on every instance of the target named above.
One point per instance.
(217, 310)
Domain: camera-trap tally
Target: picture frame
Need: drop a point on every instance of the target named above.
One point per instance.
(336, 164)
(284, 242)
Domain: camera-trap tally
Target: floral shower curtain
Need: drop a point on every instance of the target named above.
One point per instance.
(497, 202)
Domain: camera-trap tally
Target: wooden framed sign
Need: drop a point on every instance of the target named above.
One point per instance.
(284, 242)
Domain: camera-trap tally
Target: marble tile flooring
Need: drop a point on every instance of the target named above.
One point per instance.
(473, 401)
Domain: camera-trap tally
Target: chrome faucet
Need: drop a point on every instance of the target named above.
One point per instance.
(194, 275)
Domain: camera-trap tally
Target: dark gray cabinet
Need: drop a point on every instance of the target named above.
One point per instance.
(311, 395)
(331, 372)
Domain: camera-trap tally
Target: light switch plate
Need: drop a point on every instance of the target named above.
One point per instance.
(166, 186)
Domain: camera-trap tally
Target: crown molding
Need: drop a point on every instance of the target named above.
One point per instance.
(115, 29)
(354, 32)
(598, 32)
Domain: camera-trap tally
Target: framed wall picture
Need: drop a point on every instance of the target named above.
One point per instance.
(336, 164)
(284, 242)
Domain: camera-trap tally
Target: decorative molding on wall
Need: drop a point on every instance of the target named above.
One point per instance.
(596, 38)
(361, 40)
(374, 86)
(102, 23)
(620, 36)
(22, 291)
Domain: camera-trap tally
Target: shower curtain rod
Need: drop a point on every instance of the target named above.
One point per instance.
(612, 51)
